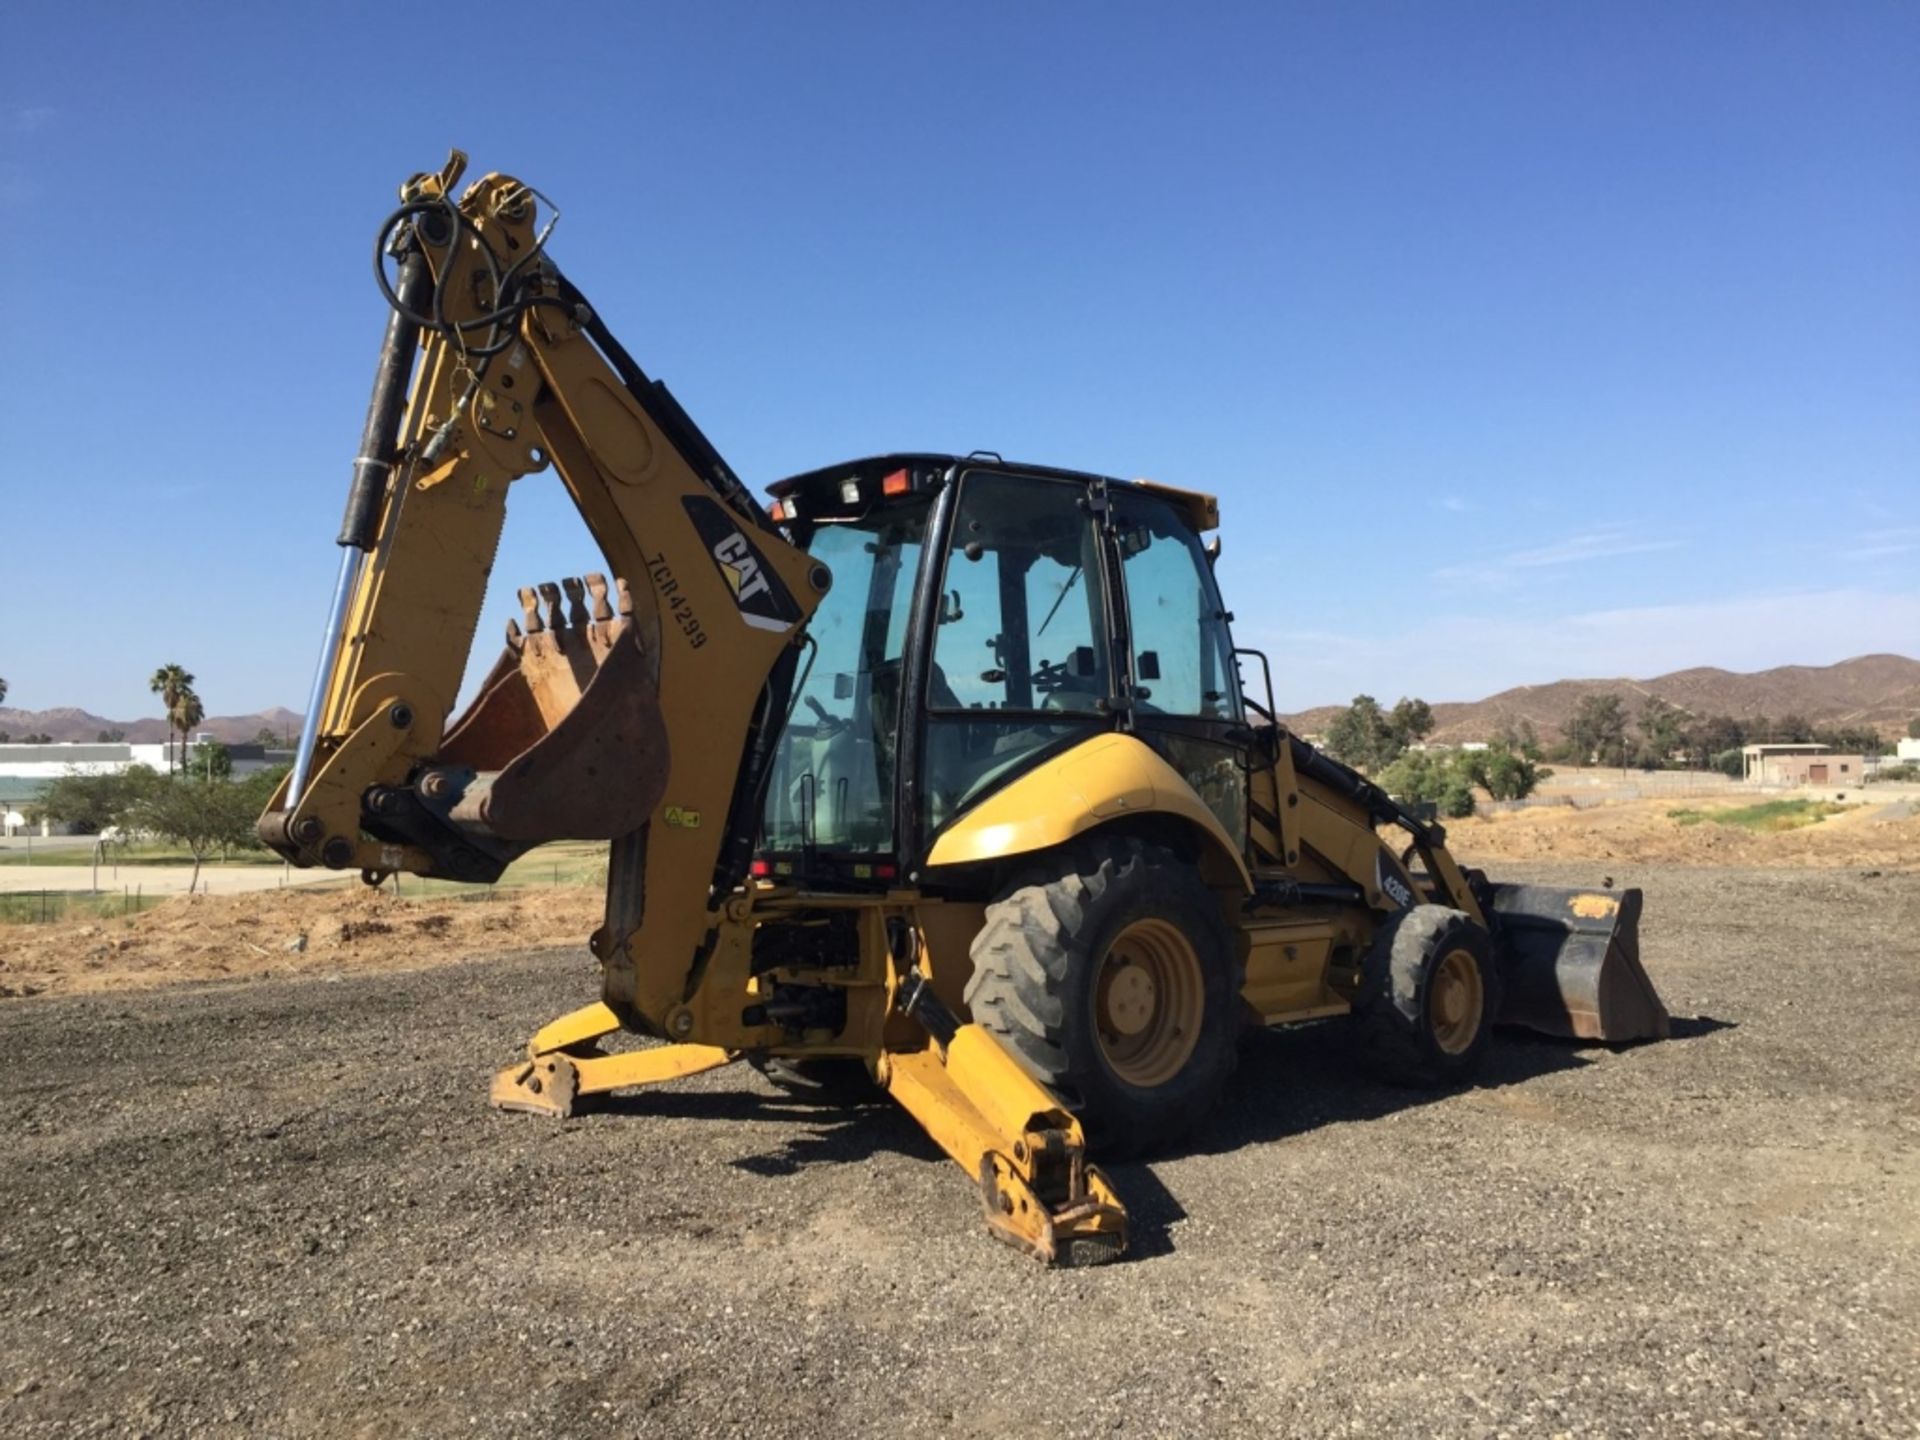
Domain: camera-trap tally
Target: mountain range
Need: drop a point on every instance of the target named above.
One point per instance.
(1882, 691)
(66, 722)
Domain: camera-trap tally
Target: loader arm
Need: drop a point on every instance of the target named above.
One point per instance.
(643, 724)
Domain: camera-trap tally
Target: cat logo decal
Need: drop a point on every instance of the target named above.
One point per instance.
(762, 600)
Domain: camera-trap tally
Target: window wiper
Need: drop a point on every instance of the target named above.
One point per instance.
(1065, 590)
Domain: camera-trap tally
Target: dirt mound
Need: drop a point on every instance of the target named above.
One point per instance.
(1874, 837)
(340, 931)
(286, 932)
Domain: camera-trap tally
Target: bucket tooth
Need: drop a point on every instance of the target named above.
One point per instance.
(576, 590)
(530, 608)
(556, 616)
(597, 588)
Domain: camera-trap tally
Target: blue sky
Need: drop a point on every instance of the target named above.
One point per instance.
(1519, 341)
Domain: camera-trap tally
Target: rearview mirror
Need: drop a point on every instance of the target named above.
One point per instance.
(1148, 664)
(843, 687)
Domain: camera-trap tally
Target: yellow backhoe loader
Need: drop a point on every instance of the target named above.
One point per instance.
(938, 771)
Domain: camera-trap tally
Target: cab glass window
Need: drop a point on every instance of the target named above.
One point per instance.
(1020, 662)
(1182, 653)
(1021, 624)
(832, 781)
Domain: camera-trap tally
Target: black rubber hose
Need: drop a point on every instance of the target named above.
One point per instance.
(433, 318)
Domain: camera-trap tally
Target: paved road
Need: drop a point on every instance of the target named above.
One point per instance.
(279, 1208)
(41, 844)
(160, 879)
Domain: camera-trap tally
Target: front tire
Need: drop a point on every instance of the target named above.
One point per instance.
(1429, 996)
(1115, 985)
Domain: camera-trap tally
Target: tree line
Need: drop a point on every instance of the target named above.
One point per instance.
(203, 809)
(1382, 742)
(197, 805)
(1603, 730)
(1659, 736)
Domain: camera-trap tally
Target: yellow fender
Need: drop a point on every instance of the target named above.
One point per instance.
(1106, 779)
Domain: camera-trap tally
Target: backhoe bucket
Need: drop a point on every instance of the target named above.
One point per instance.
(1573, 964)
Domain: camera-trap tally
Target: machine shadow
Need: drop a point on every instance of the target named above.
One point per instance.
(831, 1134)
(1692, 1027)
(1288, 1083)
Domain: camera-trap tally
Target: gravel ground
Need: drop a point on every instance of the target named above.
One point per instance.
(281, 1208)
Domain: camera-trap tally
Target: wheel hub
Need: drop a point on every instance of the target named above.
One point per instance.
(1148, 1002)
(1455, 1000)
(1131, 998)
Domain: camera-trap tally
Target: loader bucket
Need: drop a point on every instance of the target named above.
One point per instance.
(1573, 964)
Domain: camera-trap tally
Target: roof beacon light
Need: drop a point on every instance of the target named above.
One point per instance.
(898, 483)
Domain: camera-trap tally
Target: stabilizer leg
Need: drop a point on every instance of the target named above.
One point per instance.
(562, 1065)
(1006, 1130)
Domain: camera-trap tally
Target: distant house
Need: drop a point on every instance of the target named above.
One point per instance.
(17, 794)
(1804, 763)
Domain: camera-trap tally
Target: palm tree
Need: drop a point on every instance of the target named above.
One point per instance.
(3, 687)
(186, 713)
(169, 682)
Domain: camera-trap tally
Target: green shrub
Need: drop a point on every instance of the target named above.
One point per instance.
(1504, 773)
(1772, 815)
(1425, 777)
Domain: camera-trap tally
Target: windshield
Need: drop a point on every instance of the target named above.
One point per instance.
(1020, 658)
(832, 781)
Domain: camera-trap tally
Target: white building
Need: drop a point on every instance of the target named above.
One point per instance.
(1755, 759)
(26, 770)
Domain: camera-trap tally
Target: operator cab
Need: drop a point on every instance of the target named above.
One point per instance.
(1029, 609)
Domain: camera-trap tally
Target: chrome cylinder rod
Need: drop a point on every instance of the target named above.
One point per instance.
(336, 622)
(372, 474)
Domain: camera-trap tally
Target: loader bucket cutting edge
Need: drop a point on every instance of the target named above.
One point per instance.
(1573, 964)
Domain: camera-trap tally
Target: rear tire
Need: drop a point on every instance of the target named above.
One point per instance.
(834, 1080)
(1429, 995)
(1115, 985)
